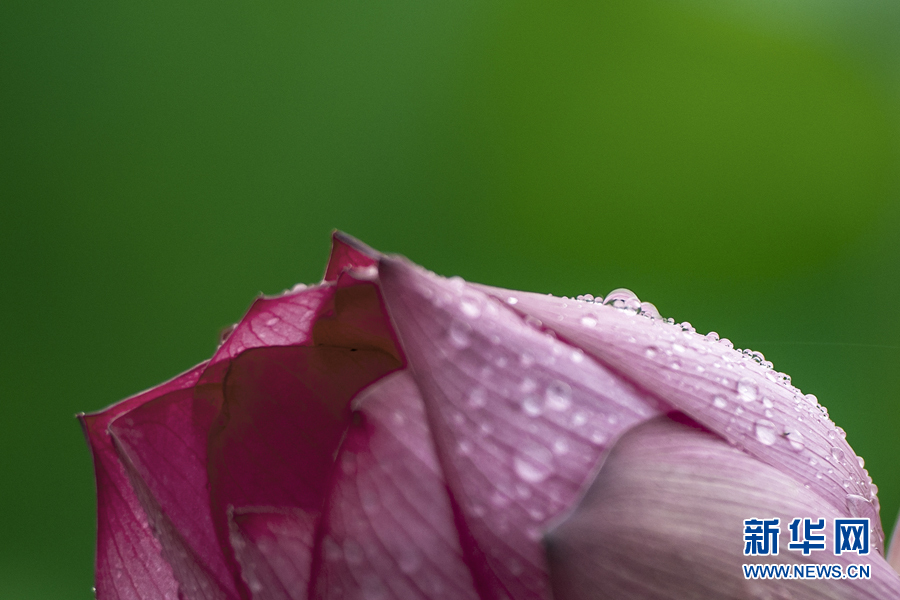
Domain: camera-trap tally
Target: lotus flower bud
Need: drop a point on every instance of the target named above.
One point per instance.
(389, 433)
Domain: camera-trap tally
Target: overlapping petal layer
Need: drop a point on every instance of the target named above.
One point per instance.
(393, 434)
(662, 521)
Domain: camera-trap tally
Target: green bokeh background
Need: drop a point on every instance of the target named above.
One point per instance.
(735, 162)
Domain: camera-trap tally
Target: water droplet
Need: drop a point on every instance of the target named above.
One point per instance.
(532, 406)
(649, 310)
(533, 464)
(477, 398)
(720, 402)
(726, 342)
(811, 398)
(332, 549)
(651, 351)
(499, 499)
(765, 432)
(353, 552)
(623, 299)
(585, 298)
(687, 327)
(577, 355)
(712, 336)
(272, 321)
(560, 447)
(678, 348)
(861, 461)
(464, 447)
(528, 385)
(579, 419)
(747, 389)
(858, 506)
(558, 395)
(471, 307)
(589, 321)
(795, 439)
(512, 300)
(409, 561)
(767, 403)
(837, 454)
(840, 431)
(459, 334)
(598, 437)
(675, 365)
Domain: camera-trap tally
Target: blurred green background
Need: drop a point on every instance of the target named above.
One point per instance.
(735, 162)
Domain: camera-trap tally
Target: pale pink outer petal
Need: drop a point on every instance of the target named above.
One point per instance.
(731, 394)
(893, 555)
(519, 420)
(388, 530)
(664, 521)
(130, 565)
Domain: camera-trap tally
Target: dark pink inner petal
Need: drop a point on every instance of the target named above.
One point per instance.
(519, 419)
(163, 447)
(284, 414)
(130, 564)
(388, 530)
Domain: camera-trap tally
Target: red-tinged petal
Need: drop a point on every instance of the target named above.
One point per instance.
(728, 392)
(162, 445)
(130, 565)
(274, 548)
(519, 419)
(664, 520)
(285, 412)
(347, 252)
(388, 531)
(285, 320)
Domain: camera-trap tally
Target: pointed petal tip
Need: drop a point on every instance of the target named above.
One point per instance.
(348, 252)
(352, 242)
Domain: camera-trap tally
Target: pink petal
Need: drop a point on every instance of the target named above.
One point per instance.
(130, 564)
(388, 531)
(729, 393)
(519, 419)
(664, 520)
(162, 445)
(274, 548)
(348, 252)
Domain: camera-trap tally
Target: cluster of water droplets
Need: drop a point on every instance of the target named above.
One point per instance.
(750, 410)
(772, 425)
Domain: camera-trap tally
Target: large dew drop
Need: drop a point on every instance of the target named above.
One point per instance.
(558, 395)
(765, 432)
(533, 464)
(459, 334)
(747, 389)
